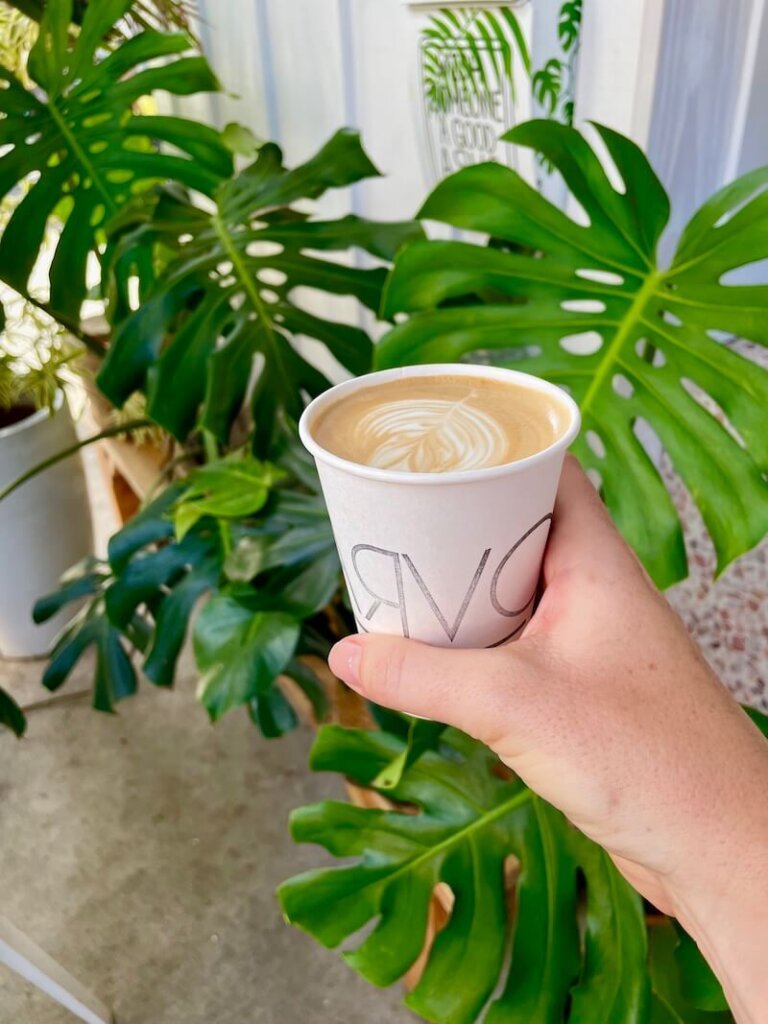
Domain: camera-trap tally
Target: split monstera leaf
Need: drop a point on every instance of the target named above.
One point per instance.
(78, 149)
(588, 307)
(461, 823)
(230, 294)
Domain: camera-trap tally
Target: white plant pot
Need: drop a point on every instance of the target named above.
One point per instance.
(45, 527)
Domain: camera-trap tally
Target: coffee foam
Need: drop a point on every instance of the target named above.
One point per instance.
(440, 424)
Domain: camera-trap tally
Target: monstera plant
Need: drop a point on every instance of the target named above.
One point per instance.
(204, 270)
(588, 306)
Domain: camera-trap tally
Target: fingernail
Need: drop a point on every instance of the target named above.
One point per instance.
(344, 661)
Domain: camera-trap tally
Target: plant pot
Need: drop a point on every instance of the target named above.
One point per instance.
(45, 526)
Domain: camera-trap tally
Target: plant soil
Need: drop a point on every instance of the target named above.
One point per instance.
(17, 413)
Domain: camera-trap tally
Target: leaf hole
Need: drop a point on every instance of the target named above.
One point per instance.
(97, 215)
(94, 120)
(98, 147)
(228, 281)
(185, 239)
(119, 177)
(89, 97)
(583, 306)
(623, 386)
(595, 478)
(224, 268)
(270, 276)
(269, 296)
(33, 138)
(262, 250)
(643, 347)
(584, 344)
(648, 439)
(670, 318)
(710, 405)
(600, 276)
(755, 272)
(595, 443)
(612, 172)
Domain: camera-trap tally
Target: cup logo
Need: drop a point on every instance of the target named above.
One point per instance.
(378, 582)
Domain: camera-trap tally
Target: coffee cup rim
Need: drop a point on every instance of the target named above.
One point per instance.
(461, 476)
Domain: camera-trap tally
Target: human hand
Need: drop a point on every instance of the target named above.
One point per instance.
(606, 709)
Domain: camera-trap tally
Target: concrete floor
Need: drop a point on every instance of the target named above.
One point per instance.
(142, 851)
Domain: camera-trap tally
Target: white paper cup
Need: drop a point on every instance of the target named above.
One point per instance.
(452, 559)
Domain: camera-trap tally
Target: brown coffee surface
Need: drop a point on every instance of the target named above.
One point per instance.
(440, 424)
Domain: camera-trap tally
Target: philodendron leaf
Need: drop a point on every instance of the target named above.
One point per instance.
(231, 295)
(77, 139)
(589, 307)
(467, 825)
(233, 488)
(239, 652)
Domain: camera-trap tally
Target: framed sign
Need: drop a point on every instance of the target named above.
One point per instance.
(473, 63)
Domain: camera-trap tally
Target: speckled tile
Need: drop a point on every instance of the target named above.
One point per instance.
(727, 617)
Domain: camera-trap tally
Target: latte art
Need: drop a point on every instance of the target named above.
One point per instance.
(440, 424)
(430, 436)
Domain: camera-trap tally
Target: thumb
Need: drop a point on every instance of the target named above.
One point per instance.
(478, 691)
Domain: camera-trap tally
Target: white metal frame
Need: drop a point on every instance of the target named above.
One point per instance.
(23, 956)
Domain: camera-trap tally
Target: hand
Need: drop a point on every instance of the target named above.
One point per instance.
(606, 709)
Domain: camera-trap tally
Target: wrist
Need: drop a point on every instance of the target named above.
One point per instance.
(723, 905)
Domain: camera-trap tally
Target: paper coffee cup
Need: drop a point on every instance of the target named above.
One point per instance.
(452, 559)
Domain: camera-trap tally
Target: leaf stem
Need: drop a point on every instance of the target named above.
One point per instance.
(125, 428)
(633, 317)
(81, 155)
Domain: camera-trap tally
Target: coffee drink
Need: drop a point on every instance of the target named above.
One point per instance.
(441, 424)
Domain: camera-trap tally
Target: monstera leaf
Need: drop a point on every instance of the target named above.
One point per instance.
(464, 825)
(588, 307)
(228, 296)
(81, 152)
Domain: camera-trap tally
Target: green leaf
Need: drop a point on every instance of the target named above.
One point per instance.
(11, 715)
(83, 580)
(273, 714)
(423, 735)
(698, 984)
(650, 355)
(310, 685)
(615, 936)
(84, 152)
(234, 488)
(670, 1003)
(229, 295)
(760, 720)
(239, 652)
(465, 824)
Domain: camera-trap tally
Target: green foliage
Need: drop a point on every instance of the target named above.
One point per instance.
(650, 355)
(11, 715)
(468, 822)
(227, 295)
(677, 988)
(241, 519)
(554, 83)
(78, 141)
(467, 53)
